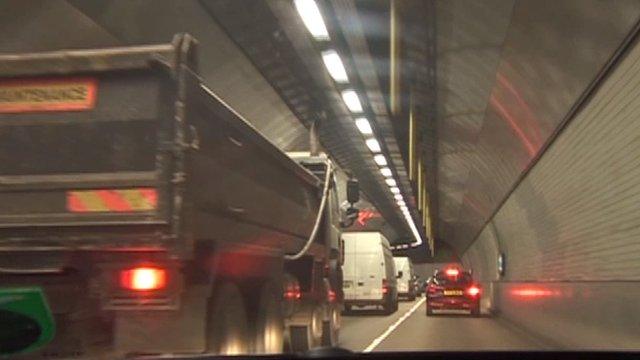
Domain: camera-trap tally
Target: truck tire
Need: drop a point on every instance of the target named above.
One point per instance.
(269, 323)
(331, 328)
(306, 337)
(227, 331)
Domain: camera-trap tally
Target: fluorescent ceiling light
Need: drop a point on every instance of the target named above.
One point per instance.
(373, 145)
(391, 182)
(352, 101)
(386, 172)
(397, 197)
(395, 190)
(401, 202)
(334, 65)
(310, 14)
(363, 126)
(404, 210)
(380, 160)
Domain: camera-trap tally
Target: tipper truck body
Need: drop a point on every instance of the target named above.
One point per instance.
(153, 216)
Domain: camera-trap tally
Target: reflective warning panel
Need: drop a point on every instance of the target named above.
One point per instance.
(112, 200)
(33, 95)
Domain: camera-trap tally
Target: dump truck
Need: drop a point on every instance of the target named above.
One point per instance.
(153, 217)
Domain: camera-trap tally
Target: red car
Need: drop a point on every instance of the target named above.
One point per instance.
(453, 289)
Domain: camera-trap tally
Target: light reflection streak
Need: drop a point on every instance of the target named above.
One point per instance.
(531, 149)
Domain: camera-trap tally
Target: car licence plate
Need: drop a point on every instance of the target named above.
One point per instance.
(453, 292)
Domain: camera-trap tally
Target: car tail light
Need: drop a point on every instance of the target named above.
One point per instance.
(473, 291)
(143, 279)
(292, 292)
(385, 286)
(452, 272)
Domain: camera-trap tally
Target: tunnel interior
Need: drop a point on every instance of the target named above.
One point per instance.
(510, 127)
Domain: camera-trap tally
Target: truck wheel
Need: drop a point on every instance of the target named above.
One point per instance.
(347, 309)
(269, 338)
(304, 338)
(331, 328)
(227, 331)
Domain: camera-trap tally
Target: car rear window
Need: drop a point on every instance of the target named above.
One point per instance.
(463, 279)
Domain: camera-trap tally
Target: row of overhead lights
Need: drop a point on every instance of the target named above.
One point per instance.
(312, 19)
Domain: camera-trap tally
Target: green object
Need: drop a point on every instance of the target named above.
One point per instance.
(26, 322)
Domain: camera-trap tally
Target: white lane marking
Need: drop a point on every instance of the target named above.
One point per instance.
(391, 328)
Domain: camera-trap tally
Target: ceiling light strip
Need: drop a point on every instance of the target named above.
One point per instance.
(312, 19)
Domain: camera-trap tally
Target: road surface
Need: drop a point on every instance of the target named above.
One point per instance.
(409, 329)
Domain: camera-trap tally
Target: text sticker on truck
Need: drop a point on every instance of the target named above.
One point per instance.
(35, 95)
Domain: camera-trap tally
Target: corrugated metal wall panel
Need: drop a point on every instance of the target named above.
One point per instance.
(576, 214)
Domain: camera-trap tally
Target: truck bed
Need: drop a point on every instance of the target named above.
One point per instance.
(144, 151)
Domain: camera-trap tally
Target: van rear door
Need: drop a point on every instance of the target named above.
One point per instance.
(369, 277)
(349, 273)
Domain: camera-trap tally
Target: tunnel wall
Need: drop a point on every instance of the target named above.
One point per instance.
(222, 65)
(570, 231)
(39, 25)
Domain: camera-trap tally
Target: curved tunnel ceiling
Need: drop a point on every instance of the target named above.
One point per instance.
(509, 74)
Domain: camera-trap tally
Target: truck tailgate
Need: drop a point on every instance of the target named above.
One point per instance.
(80, 149)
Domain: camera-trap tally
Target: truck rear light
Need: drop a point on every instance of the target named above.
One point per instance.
(385, 286)
(473, 291)
(292, 292)
(143, 279)
(332, 295)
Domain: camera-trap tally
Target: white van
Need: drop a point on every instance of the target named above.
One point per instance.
(405, 276)
(369, 275)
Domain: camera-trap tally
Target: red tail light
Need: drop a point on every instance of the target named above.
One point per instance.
(292, 292)
(385, 286)
(332, 295)
(452, 272)
(473, 291)
(143, 279)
